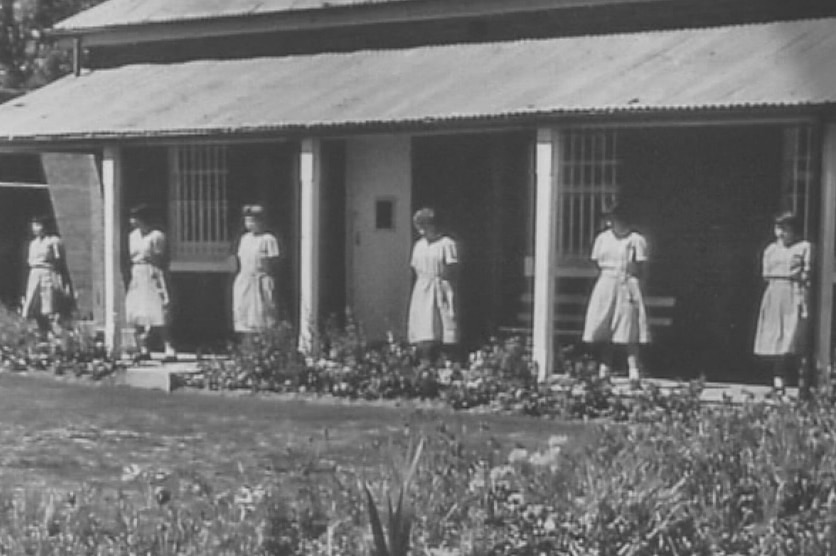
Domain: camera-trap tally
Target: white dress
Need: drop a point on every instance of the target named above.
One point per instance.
(616, 311)
(783, 316)
(45, 288)
(147, 300)
(432, 309)
(254, 292)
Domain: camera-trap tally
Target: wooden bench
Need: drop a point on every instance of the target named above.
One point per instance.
(570, 313)
(578, 275)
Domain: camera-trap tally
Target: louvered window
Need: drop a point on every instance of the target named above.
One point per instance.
(589, 182)
(198, 208)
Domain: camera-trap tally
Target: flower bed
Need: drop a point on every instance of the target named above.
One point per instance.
(71, 353)
(498, 377)
(730, 481)
(661, 475)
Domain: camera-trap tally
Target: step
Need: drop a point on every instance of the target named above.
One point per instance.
(156, 375)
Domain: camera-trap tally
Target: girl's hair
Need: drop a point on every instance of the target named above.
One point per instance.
(424, 216)
(255, 211)
(141, 212)
(46, 221)
(787, 220)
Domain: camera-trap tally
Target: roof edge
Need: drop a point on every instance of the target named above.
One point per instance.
(360, 13)
(656, 116)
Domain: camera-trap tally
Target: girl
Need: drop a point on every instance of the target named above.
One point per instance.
(432, 309)
(616, 313)
(782, 321)
(254, 292)
(147, 303)
(49, 294)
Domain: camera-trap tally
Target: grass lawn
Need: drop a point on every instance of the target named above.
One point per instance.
(58, 434)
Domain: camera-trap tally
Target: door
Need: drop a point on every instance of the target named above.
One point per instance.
(706, 199)
(379, 241)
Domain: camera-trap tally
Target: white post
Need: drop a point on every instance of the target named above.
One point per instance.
(546, 165)
(826, 254)
(309, 224)
(112, 201)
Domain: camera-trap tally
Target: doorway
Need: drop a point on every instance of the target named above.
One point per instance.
(705, 197)
(478, 186)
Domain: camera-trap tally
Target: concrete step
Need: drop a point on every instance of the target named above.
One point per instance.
(157, 375)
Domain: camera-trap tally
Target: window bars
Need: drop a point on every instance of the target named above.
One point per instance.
(589, 182)
(800, 176)
(199, 204)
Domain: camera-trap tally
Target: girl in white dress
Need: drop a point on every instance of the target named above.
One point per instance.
(433, 319)
(255, 308)
(49, 294)
(782, 321)
(616, 312)
(148, 303)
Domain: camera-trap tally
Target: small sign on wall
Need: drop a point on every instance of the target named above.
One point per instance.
(384, 214)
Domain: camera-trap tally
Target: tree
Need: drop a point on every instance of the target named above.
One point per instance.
(27, 58)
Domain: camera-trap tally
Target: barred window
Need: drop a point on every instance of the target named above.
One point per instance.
(799, 176)
(198, 208)
(589, 182)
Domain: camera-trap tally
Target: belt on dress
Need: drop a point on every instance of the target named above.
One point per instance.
(615, 273)
(43, 266)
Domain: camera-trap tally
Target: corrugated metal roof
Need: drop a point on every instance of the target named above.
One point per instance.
(767, 65)
(139, 12)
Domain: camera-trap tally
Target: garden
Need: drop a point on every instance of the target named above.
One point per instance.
(362, 450)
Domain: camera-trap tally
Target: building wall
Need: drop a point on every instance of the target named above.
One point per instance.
(378, 170)
(75, 191)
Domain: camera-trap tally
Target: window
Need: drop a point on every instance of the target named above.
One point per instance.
(589, 182)
(384, 214)
(198, 208)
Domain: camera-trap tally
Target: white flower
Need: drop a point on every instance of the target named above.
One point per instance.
(244, 496)
(549, 525)
(517, 455)
(501, 472)
(557, 440)
(548, 459)
(477, 482)
(131, 472)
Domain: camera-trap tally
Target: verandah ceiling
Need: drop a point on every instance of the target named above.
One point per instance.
(764, 65)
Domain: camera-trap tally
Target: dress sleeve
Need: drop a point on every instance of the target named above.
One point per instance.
(597, 246)
(271, 246)
(157, 244)
(640, 252)
(56, 247)
(451, 253)
(765, 261)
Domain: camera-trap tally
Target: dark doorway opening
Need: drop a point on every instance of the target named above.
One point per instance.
(705, 198)
(478, 185)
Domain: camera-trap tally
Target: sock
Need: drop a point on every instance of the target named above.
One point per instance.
(603, 371)
(634, 373)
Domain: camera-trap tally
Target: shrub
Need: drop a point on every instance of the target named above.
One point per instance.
(70, 352)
